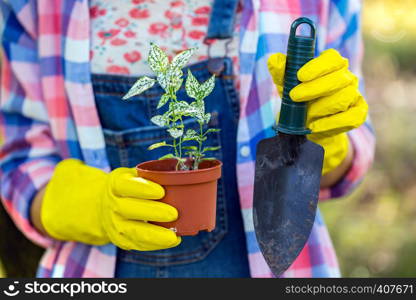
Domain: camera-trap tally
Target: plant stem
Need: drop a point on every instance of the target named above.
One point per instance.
(177, 165)
(199, 154)
(174, 147)
(172, 96)
(181, 139)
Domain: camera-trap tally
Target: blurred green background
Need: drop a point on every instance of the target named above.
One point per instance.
(374, 229)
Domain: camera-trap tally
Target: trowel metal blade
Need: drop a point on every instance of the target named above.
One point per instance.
(285, 200)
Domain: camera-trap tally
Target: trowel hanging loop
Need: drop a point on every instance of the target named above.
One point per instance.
(301, 21)
(300, 50)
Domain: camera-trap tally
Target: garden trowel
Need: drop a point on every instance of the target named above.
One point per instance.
(288, 169)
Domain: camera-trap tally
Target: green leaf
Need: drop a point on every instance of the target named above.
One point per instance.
(159, 120)
(192, 86)
(142, 84)
(170, 80)
(158, 145)
(192, 110)
(166, 117)
(194, 148)
(212, 130)
(197, 108)
(180, 60)
(175, 132)
(208, 86)
(180, 107)
(208, 158)
(200, 139)
(163, 81)
(206, 149)
(174, 77)
(167, 156)
(207, 117)
(163, 100)
(176, 85)
(190, 135)
(158, 60)
(190, 153)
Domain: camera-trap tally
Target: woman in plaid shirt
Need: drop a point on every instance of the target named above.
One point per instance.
(54, 108)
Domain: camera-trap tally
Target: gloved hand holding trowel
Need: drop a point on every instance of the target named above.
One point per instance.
(335, 103)
(320, 100)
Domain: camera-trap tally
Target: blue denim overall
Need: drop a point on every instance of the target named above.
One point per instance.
(128, 132)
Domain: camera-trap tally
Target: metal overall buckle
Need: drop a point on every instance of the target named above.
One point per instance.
(216, 64)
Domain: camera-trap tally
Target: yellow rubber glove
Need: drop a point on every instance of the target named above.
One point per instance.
(85, 204)
(335, 104)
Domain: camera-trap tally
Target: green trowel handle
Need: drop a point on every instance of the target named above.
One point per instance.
(300, 50)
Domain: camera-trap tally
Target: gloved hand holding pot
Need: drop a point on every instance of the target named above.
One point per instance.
(150, 206)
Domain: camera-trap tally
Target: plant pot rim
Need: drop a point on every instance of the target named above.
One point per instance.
(172, 177)
(149, 162)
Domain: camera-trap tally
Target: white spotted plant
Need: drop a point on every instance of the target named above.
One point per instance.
(187, 143)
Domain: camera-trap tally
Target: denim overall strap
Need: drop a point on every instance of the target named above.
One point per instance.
(221, 24)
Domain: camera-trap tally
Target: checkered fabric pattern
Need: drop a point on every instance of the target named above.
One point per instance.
(47, 113)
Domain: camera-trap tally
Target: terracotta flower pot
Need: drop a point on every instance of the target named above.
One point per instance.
(192, 193)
